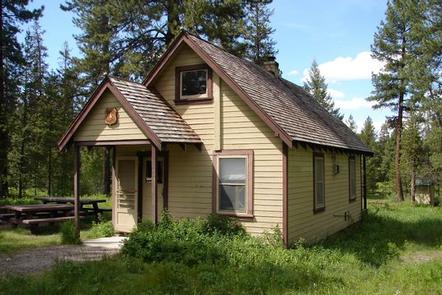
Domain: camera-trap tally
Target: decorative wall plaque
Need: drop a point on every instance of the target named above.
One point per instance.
(111, 116)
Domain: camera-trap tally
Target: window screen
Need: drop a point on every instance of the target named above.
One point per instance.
(232, 184)
(319, 182)
(193, 83)
(352, 178)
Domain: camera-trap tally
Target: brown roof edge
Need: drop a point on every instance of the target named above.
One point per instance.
(171, 51)
(104, 85)
(331, 147)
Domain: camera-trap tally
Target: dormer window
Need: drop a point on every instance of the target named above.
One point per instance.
(193, 84)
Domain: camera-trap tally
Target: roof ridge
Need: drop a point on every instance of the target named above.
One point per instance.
(125, 80)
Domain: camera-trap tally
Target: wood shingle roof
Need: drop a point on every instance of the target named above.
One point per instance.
(161, 118)
(288, 105)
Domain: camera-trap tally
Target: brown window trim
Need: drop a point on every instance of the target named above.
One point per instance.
(350, 199)
(208, 99)
(250, 158)
(318, 209)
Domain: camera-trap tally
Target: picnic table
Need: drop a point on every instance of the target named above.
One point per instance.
(68, 200)
(32, 214)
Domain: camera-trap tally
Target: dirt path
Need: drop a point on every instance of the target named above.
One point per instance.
(41, 259)
(422, 256)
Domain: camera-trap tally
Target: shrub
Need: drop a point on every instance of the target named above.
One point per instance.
(102, 229)
(188, 241)
(219, 224)
(68, 234)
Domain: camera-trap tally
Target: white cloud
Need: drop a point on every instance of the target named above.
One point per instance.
(353, 104)
(335, 93)
(293, 73)
(341, 68)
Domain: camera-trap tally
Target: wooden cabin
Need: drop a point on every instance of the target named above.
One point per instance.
(209, 132)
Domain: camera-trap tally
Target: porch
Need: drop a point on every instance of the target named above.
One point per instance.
(140, 179)
(137, 127)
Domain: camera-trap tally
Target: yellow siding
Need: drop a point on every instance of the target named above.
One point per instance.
(94, 128)
(302, 222)
(255, 134)
(227, 123)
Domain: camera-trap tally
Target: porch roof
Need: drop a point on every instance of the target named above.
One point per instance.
(158, 120)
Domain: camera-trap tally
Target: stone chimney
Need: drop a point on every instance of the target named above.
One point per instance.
(272, 66)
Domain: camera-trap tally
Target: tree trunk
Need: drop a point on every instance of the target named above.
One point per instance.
(173, 21)
(21, 168)
(4, 136)
(398, 180)
(50, 172)
(413, 183)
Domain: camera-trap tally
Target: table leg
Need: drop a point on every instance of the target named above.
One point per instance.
(17, 219)
(96, 211)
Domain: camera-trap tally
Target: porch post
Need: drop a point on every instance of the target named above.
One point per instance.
(154, 185)
(140, 188)
(77, 164)
(364, 167)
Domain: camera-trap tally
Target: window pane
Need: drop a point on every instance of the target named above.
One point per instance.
(232, 198)
(193, 82)
(319, 169)
(352, 176)
(319, 195)
(319, 182)
(232, 170)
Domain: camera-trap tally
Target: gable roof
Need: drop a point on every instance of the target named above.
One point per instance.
(150, 112)
(286, 108)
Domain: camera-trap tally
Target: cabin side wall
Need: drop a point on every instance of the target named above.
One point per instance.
(303, 223)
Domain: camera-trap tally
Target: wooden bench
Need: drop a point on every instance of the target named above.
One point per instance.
(6, 216)
(47, 220)
(34, 223)
(101, 210)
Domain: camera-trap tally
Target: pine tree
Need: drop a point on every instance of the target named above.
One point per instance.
(368, 136)
(316, 86)
(352, 124)
(26, 153)
(385, 152)
(258, 31)
(426, 80)
(13, 13)
(125, 38)
(392, 45)
(71, 101)
(412, 150)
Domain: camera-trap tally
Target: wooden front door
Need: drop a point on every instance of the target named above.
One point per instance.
(125, 192)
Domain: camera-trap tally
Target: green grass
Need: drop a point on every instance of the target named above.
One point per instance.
(375, 257)
(13, 240)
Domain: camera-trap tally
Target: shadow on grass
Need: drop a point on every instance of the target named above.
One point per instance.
(117, 275)
(380, 237)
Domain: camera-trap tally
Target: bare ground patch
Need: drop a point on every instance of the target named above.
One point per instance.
(422, 256)
(41, 259)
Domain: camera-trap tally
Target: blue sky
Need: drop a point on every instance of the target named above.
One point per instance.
(336, 33)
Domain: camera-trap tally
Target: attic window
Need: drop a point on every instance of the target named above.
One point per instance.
(193, 84)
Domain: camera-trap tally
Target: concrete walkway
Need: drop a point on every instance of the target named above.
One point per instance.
(106, 243)
(43, 258)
